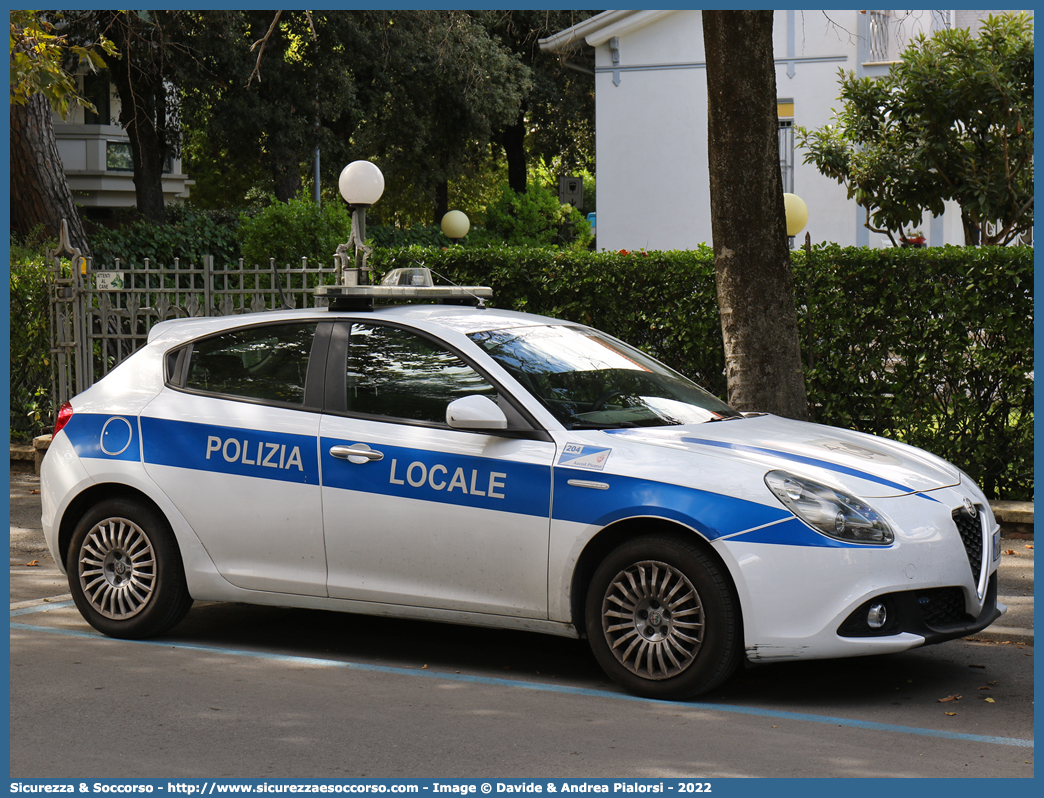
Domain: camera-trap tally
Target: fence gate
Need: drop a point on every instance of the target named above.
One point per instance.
(98, 317)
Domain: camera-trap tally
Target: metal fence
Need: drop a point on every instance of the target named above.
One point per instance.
(99, 317)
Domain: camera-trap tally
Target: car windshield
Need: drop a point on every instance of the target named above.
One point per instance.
(589, 380)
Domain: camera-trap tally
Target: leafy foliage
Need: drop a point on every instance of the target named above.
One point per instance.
(933, 347)
(535, 218)
(953, 120)
(31, 413)
(188, 234)
(417, 235)
(38, 61)
(930, 346)
(296, 229)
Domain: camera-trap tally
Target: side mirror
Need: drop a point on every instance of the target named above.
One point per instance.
(475, 412)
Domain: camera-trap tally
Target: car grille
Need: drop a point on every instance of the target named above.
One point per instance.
(942, 606)
(971, 534)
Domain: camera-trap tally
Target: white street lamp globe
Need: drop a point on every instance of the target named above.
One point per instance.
(455, 224)
(797, 213)
(361, 183)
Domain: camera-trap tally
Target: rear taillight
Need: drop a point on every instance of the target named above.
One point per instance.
(64, 414)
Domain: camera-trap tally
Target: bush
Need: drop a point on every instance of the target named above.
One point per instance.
(930, 346)
(188, 234)
(933, 347)
(390, 237)
(31, 411)
(292, 230)
(533, 219)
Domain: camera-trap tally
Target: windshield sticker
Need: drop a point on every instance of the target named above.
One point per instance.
(576, 455)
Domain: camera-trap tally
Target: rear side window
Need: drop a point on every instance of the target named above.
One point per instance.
(268, 363)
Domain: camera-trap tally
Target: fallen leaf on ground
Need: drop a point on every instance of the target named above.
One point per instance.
(990, 701)
(951, 714)
(986, 687)
(35, 491)
(950, 698)
(32, 564)
(1029, 545)
(1009, 551)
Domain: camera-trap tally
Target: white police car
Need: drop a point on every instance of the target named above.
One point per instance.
(487, 467)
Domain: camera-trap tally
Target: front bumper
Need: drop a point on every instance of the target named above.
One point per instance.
(936, 614)
(937, 582)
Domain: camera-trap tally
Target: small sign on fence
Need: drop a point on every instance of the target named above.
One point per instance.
(109, 281)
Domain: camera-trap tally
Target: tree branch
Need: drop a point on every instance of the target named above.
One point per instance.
(263, 41)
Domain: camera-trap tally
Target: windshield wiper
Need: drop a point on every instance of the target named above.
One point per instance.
(594, 425)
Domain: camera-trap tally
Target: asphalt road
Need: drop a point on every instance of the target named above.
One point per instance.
(240, 691)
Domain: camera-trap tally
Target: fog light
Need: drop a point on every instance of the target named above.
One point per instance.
(877, 616)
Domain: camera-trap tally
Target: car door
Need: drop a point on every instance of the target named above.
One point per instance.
(232, 440)
(415, 512)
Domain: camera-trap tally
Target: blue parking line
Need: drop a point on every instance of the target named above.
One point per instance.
(550, 688)
(41, 607)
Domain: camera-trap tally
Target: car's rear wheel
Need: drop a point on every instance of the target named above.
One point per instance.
(662, 619)
(125, 571)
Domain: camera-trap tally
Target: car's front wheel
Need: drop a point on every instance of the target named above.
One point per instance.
(125, 571)
(662, 619)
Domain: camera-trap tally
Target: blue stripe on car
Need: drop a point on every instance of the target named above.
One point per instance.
(469, 481)
(798, 458)
(230, 450)
(713, 514)
(463, 480)
(99, 436)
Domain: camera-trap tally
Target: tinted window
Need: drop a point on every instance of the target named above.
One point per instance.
(257, 363)
(396, 373)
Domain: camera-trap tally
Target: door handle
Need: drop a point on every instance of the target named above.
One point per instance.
(356, 453)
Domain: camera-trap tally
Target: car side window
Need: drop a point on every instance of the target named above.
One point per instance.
(268, 362)
(396, 373)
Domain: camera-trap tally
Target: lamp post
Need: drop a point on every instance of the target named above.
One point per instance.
(361, 184)
(455, 226)
(797, 215)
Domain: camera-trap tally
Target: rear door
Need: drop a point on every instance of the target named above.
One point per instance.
(232, 441)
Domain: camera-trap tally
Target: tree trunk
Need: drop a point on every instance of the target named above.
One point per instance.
(513, 140)
(143, 110)
(441, 204)
(751, 256)
(39, 191)
(286, 175)
(147, 155)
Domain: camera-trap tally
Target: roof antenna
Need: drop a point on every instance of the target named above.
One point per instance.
(279, 285)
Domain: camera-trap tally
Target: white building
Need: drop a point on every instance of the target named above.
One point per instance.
(651, 116)
(96, 154)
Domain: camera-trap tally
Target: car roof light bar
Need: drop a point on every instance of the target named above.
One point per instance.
(413, 283)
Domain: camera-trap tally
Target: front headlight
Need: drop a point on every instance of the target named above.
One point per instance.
(832, 512)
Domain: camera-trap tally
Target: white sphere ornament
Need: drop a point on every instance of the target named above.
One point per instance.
(455, 224)
(361, 183)
(797, 213)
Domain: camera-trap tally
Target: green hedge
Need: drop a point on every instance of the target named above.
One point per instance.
(929, 346)
(31, 411)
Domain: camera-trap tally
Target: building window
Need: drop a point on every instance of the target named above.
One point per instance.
(786, 153)
(118, 158)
